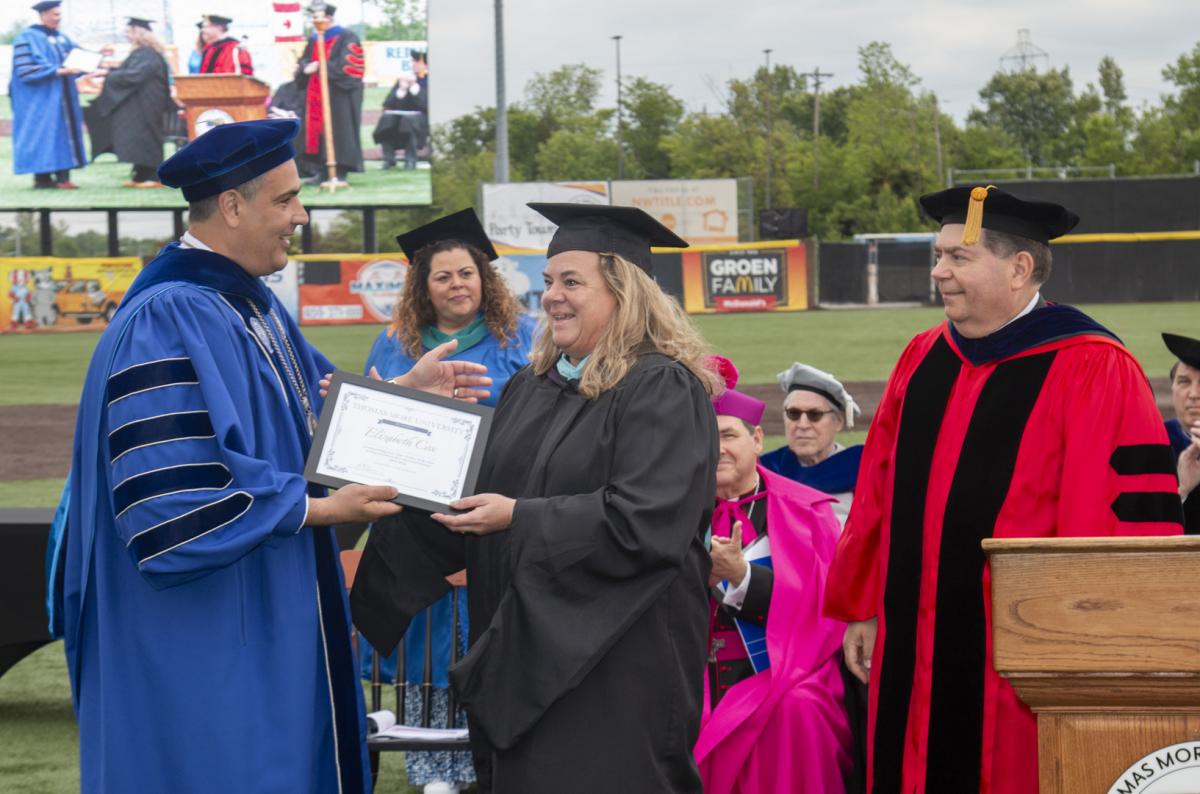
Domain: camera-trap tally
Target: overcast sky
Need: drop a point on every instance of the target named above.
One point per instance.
(696, 47)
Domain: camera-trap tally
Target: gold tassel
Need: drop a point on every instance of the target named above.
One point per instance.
(974, 222)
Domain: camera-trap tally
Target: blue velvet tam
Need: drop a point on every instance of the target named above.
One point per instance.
(46, 5)
(229, 155)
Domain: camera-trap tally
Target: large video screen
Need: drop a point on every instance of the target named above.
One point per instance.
(144, 93)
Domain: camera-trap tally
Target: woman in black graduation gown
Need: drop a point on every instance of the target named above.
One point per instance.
(128, 117)
(584, 548)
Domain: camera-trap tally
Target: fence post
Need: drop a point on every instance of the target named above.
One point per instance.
(872, 272)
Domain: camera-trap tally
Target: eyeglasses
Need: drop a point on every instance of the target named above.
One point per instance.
(814, 414)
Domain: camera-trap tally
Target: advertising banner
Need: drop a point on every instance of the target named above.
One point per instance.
(509, 222)
(766, 277)
(356, 289)
(522, 271)
(701, 211)
(387, 60)
(54, 294)
(286, 286)
(348, 290)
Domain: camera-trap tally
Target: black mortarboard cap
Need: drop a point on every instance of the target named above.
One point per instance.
(604, 229)
(46, 5)
(329, 8)
(462, 226)
(229, 155)
(992, 208)
(138, 22)
(215, 19)
(1185, 348)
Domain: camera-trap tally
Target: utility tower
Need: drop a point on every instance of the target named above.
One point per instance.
(1025, 55)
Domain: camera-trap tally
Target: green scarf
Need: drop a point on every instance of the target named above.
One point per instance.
(467, 338)
(568, 370)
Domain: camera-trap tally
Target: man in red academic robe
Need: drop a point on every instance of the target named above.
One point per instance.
(346, 64)
(223, 54)
(1016, 418)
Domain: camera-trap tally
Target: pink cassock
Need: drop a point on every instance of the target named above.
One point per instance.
(785, 729)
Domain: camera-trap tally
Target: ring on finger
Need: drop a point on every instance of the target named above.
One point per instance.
(455, 392)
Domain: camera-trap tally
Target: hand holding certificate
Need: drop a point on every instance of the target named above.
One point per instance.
(81, 60)
(427, 446)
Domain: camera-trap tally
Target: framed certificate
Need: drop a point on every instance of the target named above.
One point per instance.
(83, 60)
(374, 432)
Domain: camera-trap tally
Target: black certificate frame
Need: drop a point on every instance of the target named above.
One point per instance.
(320, 438)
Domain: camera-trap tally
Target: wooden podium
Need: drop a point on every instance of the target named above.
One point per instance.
(1101, 638)
(241, 96)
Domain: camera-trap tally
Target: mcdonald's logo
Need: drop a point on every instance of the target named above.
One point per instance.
(744, 284)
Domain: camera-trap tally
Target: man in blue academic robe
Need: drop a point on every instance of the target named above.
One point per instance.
(47, 120)
(206, 625)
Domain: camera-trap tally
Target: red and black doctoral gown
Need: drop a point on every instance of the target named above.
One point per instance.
(218, 58)
(346, 64)
(1046, 428)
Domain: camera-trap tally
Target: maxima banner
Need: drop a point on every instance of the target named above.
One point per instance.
(344, 289)
(354, 289)
(759, 277)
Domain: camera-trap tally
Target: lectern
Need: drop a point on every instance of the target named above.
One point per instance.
(243, 97)
(1101, 638)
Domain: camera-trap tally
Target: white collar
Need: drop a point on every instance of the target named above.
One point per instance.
(190, 240)
(1028, 308)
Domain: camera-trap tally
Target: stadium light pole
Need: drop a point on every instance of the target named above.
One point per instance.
(501, 165)
(620, 117)
(816, 75)
(767, 102)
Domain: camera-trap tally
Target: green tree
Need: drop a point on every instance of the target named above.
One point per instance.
(562, 97)
(1036, 109)
(1112, 86)
(651, 114)
(404, 20)
(585, 152)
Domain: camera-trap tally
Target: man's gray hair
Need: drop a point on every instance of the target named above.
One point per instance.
(1004, 245)
(205, 208)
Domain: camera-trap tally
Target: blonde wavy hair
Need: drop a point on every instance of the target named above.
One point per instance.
(141, 37)
(646, 320)
(501, 310)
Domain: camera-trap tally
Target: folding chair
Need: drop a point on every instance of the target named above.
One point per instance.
(350, 560)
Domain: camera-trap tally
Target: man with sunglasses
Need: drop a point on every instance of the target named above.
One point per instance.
(816, 407)
(1015, 418)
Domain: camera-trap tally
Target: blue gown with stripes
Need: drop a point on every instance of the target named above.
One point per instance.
(206, 627)
(47, 122)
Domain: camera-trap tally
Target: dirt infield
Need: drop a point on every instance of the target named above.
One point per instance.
(37, 441)
(37, 438)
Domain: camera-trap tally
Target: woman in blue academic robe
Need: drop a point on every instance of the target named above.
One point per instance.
(451, 292)
(816, 407)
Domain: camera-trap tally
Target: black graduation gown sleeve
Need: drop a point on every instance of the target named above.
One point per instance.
(585, 566)
(403, 570)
